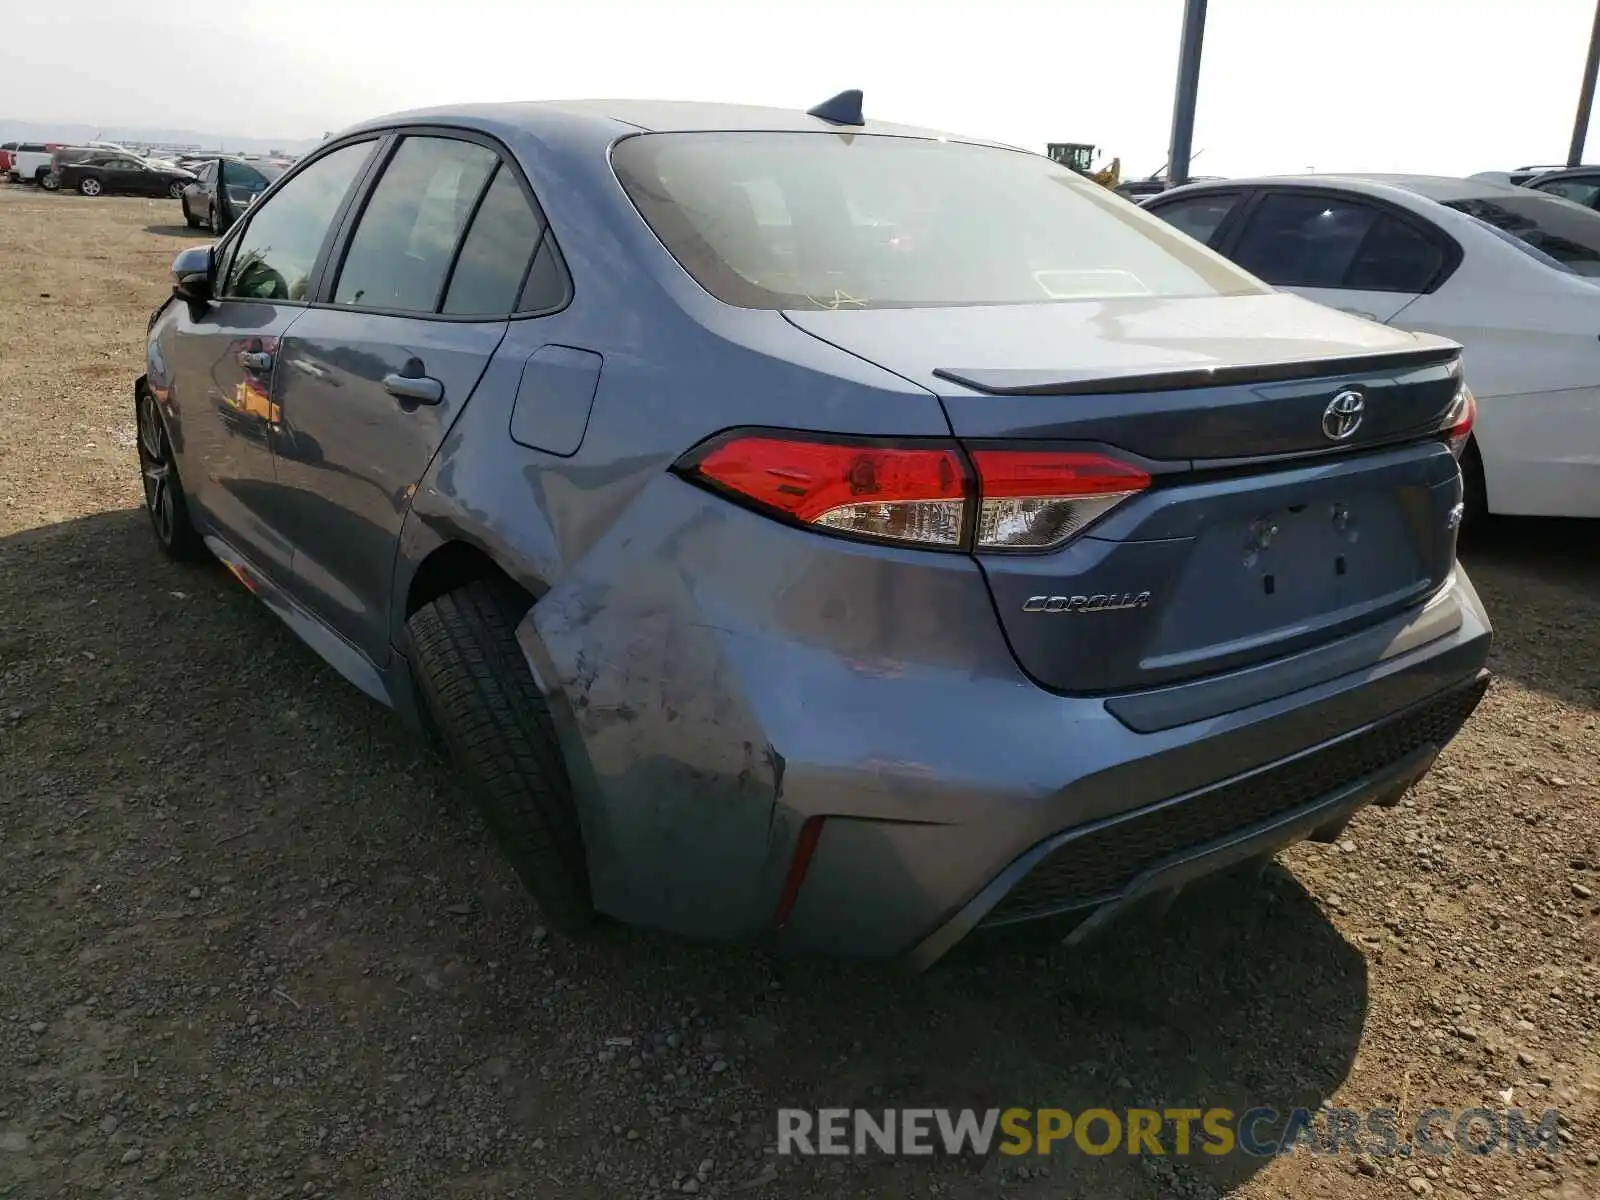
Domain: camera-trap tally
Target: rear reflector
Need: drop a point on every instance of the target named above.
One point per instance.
(917, 492)
(805, 846)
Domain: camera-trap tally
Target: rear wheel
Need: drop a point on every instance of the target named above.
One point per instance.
(175, 189)
(482, 701)
(90, 186)
(163, 490)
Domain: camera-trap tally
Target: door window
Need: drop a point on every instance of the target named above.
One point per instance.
(495, 255)
(1295, 240)
(277, 252)
(1198, 216)
(407, 236)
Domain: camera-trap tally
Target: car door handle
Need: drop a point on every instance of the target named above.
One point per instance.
(255, 360)
(418, 389)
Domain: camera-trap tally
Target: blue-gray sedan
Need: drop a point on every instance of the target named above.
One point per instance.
(815, 531)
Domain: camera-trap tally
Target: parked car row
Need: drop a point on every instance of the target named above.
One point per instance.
(1512, 273)
(213, 188)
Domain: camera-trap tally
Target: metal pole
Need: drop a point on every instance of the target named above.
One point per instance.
(1580, 127)
(1194, 32)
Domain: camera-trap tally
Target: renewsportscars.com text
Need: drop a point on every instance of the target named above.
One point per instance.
(1260, 1132)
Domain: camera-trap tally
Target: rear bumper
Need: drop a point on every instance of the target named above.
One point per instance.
(770, 680)
(1102, 869)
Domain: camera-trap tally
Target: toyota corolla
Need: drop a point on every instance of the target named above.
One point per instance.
(810, 530)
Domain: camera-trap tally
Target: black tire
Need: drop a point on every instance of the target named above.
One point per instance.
(1475, 492)
(163, 490)
(189, 219)
(478, 693)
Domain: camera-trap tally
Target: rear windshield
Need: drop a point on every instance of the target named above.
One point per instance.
(824, 220)
(1555, 229)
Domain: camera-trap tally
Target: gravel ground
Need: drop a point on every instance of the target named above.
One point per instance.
(253, 944)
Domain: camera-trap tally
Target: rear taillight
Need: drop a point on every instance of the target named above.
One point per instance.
(1459, 420)
(924, 493)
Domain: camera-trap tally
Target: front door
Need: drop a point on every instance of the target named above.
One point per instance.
(226, 354)
(371, 385)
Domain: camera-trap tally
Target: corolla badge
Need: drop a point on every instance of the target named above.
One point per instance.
(1099, 602)
(1343, 415)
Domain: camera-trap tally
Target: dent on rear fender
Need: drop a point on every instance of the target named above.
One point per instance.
(676, 784)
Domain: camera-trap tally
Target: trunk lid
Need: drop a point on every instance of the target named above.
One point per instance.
(1262, 532)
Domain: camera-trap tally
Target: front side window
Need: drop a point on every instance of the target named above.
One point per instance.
(407, 235)
(846, 221)
(1554, 230)
(1198, 216)
(274, 258)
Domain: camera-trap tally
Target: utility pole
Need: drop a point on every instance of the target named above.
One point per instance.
(1194, 32)
(1580, 127)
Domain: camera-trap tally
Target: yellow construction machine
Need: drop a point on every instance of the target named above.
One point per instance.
(1080, 157)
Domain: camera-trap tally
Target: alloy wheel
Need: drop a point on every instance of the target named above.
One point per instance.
(155, 465)
(90, 187)
(175, 191)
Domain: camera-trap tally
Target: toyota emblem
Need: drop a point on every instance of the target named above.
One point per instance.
(1343, 415)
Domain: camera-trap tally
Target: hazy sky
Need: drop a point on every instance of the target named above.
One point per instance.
(1450, 86)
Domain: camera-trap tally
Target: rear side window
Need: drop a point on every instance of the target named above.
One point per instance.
(846, 221)
(494, 257)
(407, 235)
(1198, 216)
(1395, 257)
(274, 257)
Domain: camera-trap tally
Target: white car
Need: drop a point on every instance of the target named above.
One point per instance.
(1511, 273)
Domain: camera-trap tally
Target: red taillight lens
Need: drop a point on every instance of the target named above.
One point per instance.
(896, 493)
(918, 493)
(1036, 499)
(1458, 423)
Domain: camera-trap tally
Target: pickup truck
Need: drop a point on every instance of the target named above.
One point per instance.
(30, 161)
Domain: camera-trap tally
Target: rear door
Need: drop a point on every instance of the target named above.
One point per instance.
(224, 356)
(430, 272)
(1340, 249)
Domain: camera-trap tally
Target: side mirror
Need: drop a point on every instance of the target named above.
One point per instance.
(192, 273)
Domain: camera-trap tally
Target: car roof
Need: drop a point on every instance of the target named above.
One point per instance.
(604, 121)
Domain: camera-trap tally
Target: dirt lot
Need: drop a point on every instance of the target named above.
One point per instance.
(252, 944)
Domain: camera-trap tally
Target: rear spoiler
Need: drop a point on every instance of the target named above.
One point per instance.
(1024, 381)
